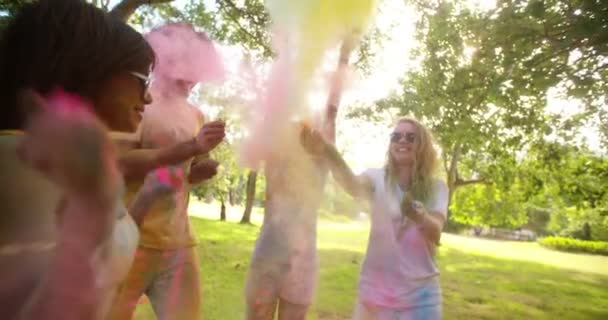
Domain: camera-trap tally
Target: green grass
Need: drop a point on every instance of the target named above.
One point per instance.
(481, 279)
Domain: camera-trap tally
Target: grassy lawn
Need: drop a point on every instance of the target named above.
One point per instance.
(481, 279)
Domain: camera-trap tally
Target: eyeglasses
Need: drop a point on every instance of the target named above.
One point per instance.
(144, 80)
(410, 137)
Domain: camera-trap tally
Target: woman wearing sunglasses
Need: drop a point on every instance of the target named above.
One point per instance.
(66, 239)
(399, 278)
(166, 265)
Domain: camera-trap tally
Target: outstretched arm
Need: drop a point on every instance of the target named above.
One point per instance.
(356, 186)
(314, 144)
(135, 164)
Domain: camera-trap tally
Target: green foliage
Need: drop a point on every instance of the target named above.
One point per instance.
(538, 219)
(260, 190)
(243, 23)
(558, 187)
(570, 182)
(585, 224)
(228, 173)
(487, 205)
(228, 184)
(575, 245)
(482, 85)
(560, 220)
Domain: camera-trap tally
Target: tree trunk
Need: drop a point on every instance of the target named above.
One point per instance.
(231, 196)
(452, 171)
(454, 179)
(586, 231)
(250, 197)
(222, 210)
(126, 8)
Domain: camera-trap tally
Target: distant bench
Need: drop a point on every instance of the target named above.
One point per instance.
(503, 234)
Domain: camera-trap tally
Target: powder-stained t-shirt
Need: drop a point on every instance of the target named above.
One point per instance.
(399, 270)
(164, 124)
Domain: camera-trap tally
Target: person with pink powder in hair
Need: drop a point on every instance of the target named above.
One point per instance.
(166, 267)
(399, 278)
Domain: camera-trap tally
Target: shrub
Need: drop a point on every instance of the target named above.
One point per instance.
(575, 245)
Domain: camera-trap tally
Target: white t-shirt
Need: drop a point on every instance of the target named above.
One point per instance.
(399, 272)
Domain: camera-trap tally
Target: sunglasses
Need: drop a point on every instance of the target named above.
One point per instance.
(143, 79)
(409, 137)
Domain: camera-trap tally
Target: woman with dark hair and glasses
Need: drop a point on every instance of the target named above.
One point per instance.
(399, 278)
(66, 239)
(166, 265)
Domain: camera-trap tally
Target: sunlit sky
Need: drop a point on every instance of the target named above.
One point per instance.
(396, 21)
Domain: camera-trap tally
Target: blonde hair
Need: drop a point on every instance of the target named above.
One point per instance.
(425, 166)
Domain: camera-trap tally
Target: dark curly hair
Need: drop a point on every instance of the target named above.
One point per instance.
(64, 43)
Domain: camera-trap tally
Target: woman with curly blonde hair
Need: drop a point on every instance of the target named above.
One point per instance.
(399, 278)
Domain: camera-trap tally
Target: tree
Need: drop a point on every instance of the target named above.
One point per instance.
(250, 197)
(247, 24)
(223, 185)
(571, 182)
(483, 80)
(487, 205)
(462, 101)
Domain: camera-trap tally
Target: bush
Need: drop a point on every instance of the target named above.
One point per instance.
(538, 219)
(575, 245)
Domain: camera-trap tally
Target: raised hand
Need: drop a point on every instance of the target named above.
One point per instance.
(203, 170)
(66, 143)
(69, 145)
(411, 209)
(312, 141)
(210, 135)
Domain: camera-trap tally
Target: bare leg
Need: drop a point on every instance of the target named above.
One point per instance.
(261, 311)
(261, 295)
(175, 294)
(292, 311)
(135, 284)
